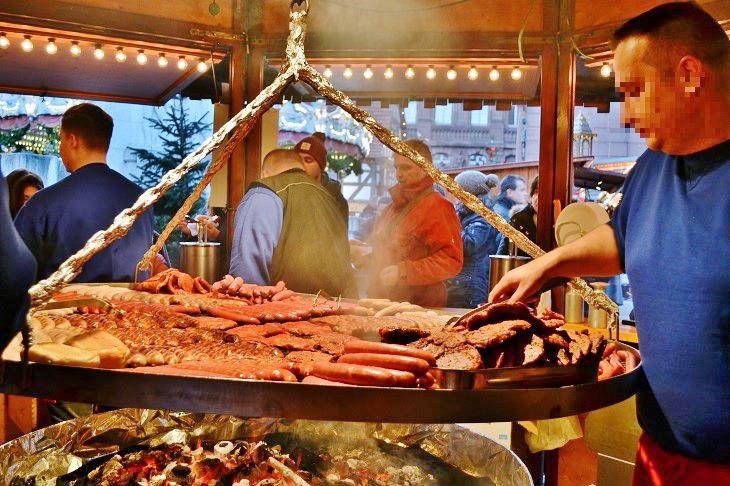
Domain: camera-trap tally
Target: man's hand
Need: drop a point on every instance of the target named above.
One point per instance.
(183, 227)
(389, 276)
(523, 282)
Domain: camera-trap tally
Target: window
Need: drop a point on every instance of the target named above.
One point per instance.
(441, 160)
(512, 117)
(477, 159)
(480, 118)
(410, 112)
(443, 114)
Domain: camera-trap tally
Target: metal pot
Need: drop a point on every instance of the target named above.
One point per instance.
(499, 265)
(201, 259)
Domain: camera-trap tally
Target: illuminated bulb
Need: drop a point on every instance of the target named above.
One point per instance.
(51, 47)
(368, 73)
(388, 73)
(75, 50)
(494, 74)
(202, 66)
(347, 73)
(431, 73)
(451, 74)
(27, 44)
(120, 56)
(473, 74)
(410, 72)
(4, 41)
(182, 64)
(606, 70)
(327, 72)
(516, 74)
(162, 60)
(141, 58)
(99, 52)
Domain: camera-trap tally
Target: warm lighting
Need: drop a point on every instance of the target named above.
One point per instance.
(410, 72)
(4, 41)
(162, 60)
(431, 72)
(51, 47)
(494, 74)
(451, 74)
(327, 72)
(120, 56)
(606, 70)
(27, 44)
(141, 58)
(388, 73)
(473, 74)
(516, 74)
(99, 52)
(75, 49)
(182, 64)
(368, 73)
(347, 73)
(202, 66)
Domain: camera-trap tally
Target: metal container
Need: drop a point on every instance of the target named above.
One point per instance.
(201, 259)
(499, 265)
(598, 318)
(574, 307)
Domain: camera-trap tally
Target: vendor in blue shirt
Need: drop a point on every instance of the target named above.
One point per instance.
(58, 220)
(671, 234)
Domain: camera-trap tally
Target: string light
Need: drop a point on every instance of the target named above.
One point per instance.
(494, 74)
(202, 66)
(99, 52)
(327, 72)
(431, 72)
(451, 74)
(141, 58)
(368, 73)
(120, 56)
(162, 60)
(516, 73)
(182, 63)
(4, 41)
(473, 74)
(347, 73)
(388, 73)
(27, 44)
(51, 47)
(606, 70)
(410, 72)
(75, 49)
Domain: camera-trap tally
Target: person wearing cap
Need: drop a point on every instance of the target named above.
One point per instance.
(314, 158)
(479, 240)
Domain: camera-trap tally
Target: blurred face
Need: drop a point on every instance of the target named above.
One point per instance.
(311, 166)
(519, 194)
(28, 192)
(407, 172)
(533, 201)
(659, 93)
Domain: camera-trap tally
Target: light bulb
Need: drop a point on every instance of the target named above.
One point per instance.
(494, 74)
(431, 73)
(451, 74)
(202, 66)
(4, 41)
(410, 72)
(120, 56)
(388, 73)
(473, 74)
(606, 70)
(99, 52)
(162, 60)
(327, 72)
(516, 74)
(27, 44)
(368, 73)
(141, 58)
(347, 73)
(182, 64)
(75, 50)
(51, 47)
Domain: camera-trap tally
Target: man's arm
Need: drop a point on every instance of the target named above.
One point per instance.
(596, 254)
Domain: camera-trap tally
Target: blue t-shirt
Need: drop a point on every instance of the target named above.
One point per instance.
(58, 220)
(673, 234)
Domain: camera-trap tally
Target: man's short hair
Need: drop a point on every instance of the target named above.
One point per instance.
(684, 24)
(510, 182)
(420, 147)
(534, 185)
(91, 124)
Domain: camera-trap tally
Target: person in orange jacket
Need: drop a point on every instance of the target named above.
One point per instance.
(416, 244)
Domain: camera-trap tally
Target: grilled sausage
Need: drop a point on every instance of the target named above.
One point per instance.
(315, 380)
(383, 348)
(231, 314)
(363, 375)
(416, 366)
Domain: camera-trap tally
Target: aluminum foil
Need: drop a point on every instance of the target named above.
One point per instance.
(49, 453)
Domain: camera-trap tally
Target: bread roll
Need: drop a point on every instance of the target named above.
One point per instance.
(112, 352)
(62, 354)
